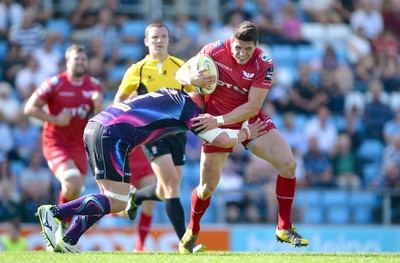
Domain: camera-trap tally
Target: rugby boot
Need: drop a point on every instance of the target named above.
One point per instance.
(132, 207)
(187, 245)
(49, 225)
(291, 236)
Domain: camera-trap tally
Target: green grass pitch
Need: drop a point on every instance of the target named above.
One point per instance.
(207, 257)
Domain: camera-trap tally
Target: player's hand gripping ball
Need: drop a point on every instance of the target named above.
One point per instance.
(205, 61)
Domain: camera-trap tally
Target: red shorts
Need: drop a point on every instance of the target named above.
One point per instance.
(56, 155)
(139, 165)
(208, 148)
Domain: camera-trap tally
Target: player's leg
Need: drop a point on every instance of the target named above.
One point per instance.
(72, 183)
(211, 165)
(273, 148)
(169, 179)
(146, 214)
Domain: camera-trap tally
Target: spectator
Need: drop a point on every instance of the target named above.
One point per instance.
(13, 240)
(104, 37)
(319, 170)
(82, 19)
(319, 11)
(231, 188)
(13, 62)
(7, 141)
(292, 134)
(291, 25)
(9, 104)
(26, 137)
(391, 17)
(230, 24)
(207, 32)
(9, 194)
(11, 14)
(391, 174)
(29, 35)
(358, 46)
(260, 177)
(48, 57)
(321, 129)
(376, 112)
(345, 164)
(368, 18)
(305, 96)
(344, 8)
(392, 128)
(28, 78)
(36, 187)
(181, 38)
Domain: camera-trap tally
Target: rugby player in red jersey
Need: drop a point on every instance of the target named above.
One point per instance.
(71, 97)
(245, 75)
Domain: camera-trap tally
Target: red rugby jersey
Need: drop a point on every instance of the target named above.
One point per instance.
(61, 94)
(235, 80)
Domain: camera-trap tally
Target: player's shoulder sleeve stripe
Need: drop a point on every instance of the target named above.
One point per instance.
(94, 80)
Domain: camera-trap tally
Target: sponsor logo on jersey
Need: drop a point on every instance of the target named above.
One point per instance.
(235, 88)
(81, 111)
(94, 80)
(269, 73)
(87, 93)
(219, 64)
(219, 43)
(66, 94)
(247, 75)
(265, 57)
(54, 80)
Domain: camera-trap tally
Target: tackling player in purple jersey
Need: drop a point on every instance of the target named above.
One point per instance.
(109, 138)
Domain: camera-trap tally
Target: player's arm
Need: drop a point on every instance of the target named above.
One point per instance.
(186, 76)
(34, 108)
(240, 114)
(228, 138)
(97, 99)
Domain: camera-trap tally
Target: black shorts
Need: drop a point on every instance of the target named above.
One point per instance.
(174, 145)
(107, 156)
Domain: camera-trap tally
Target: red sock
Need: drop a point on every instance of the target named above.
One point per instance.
(285, 189)
(198, 209)
(143, 230)
(63, 200)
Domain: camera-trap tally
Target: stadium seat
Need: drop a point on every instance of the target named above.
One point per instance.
(338, 215)
(371, 150)
(134, 28)
(117, 73)
(3, 49)
(315, 33)
(362, 204)
(338, 33)
(284, 55)
(313, 215)
(370, 173)
(60, 26)
(129, 51)
(335, 198)
(394, 100)
(308, 53)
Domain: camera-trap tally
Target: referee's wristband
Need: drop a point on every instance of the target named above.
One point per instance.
(220, 120)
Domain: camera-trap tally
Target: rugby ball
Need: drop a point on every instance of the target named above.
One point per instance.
(205, 61)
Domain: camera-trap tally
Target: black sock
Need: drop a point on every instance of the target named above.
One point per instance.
(146, 193)
(176, 215)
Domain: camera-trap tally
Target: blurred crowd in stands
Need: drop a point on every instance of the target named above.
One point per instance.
(335, 94)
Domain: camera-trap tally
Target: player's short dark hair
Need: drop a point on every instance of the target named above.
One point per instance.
(75, 47)
(246, 31)
(158, 24)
